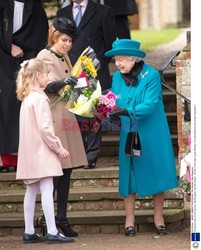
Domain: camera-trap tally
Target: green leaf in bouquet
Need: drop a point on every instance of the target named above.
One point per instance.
(96, 102)
(87, 92)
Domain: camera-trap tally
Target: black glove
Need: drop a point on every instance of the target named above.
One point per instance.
(55, 86)
(118, 112)
(70, 80)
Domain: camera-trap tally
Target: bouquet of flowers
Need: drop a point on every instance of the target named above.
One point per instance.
(85, 68)
(86, 98)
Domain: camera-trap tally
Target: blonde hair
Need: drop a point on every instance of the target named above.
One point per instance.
(26, 78)
(53, 36)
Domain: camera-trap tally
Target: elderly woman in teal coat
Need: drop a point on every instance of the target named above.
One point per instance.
(140, 103)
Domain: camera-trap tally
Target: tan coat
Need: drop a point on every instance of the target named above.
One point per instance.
(71, 139)
(38, 145)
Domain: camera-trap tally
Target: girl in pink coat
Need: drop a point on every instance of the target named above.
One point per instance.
(39, 150)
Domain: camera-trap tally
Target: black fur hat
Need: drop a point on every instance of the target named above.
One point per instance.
(66, 26)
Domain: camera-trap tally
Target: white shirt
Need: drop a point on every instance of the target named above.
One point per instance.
(75, 9)
(18, 15)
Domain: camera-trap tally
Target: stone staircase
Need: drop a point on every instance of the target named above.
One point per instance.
(95, 205)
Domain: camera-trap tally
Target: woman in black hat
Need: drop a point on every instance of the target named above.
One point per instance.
(60, 40)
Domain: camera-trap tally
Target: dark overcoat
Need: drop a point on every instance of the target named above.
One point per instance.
(31, 38)
(97, 29)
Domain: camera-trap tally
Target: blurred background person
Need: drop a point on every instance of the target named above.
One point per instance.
(121, 10)
(23, 33)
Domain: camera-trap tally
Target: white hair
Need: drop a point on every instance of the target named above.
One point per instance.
(132, 58)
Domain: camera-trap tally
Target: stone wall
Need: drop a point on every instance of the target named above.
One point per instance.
(157, 14)
(183, 78)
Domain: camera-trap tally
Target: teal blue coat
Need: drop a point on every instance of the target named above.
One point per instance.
(155, 170)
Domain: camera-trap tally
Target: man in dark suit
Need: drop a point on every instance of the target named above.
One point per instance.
(21, 38)
(97, 30)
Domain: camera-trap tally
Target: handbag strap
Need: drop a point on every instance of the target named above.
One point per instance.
(134, 122)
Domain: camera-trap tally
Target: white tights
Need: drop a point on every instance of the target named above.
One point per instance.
(45, 186)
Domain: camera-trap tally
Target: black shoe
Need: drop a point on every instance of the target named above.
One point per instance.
(130, 231)
(33, 238)
(90, 165)
(42, 224)
(65, 228)
(4, 169)
(58, 238)
(161, 230)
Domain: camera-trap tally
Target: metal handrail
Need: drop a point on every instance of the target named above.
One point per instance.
(187, 101)
(161, 71)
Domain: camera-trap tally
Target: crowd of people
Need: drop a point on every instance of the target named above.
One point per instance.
(37, 61)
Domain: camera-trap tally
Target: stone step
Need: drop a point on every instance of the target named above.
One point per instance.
(87, 193)
(108, 127)
(90, 198)
(169, 100)
(113, 138)
(104, 175)
(110, 144)
(99, 221)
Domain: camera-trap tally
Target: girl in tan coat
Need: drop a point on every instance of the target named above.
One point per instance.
(38, 151)
(60, 40)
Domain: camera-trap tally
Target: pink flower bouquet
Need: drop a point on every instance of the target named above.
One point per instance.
(105, 104)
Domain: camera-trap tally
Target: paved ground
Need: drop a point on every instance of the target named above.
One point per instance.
(158, 56)
(142, 241)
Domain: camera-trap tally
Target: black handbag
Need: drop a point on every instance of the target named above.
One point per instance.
(133, 145)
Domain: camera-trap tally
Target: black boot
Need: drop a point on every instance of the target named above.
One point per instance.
(65, 228)
(42, 224)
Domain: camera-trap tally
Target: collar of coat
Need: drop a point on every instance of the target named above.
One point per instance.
(41, 91)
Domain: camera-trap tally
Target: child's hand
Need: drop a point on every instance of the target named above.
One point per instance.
(63, 154)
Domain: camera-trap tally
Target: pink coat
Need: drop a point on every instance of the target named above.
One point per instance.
(71, 138)
(38, 145)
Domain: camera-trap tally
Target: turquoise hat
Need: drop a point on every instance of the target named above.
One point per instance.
(125, 47)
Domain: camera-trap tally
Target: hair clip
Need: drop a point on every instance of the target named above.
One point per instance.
(24, 64)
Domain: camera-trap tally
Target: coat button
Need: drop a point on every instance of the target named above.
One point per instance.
(66, 71)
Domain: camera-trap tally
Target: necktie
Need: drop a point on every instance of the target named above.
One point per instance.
(79, 15)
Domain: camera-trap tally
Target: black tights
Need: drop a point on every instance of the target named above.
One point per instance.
(62, 186)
